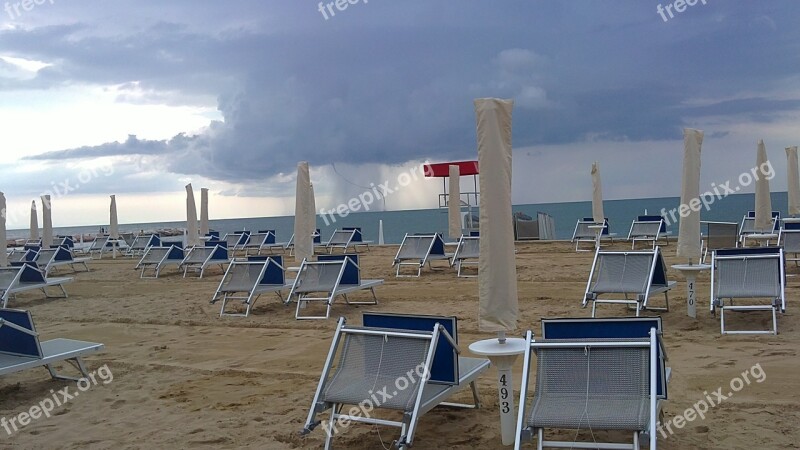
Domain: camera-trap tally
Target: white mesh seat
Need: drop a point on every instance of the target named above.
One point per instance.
(647, 231)
(467, 254)
(245, 281)
(200, 258)
(635, 275)
(365, 363)
(752, 274)
(418, 249)
(158, 258)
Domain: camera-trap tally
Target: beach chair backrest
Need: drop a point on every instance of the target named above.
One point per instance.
(357, 236)
(45, 255)
(653, 218)
(8, 276)
(610, 328)
(319, 276)
(274, 273)
(270, 238)
(468, 247)
(155, 255)
(63, 254)
(640, 229)
(198, 254)
(67, 242)
(242, 276)
(340, 237)
(444, 369)
(15, 342)
(790, 240)
(175, 253)
(623, 272)
(98, 243)
(351, 275)
(415, 246)
(30, 272)
(748, 272)
(722, 235)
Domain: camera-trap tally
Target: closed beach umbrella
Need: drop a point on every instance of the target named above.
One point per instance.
(454, 205)
(3, 239)
(689, 231)
(763, 202)
(312, 210)
(793, 187)
(47, 222)
(191, 218)
(597, 195)
(113, 227)
(34, 222)
(203, 211)
(497, 269)
(304, 217)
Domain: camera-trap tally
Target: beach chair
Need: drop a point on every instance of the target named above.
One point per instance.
(317, 240)
(648, 229)
(418, 249)
(236, 241)
(142, 243)
(369, 359)
(98, 245)
(52, 258)
(637, 275)
(246, 280)
(584, 234)
(466, 254)
(344, 239)
(20, 255)
(200, 258)
(748, 274)
(789, 239)
(749, 226)
(26, 276)
(594, 374)
(20, 348)
(327, 278)
(157, 258)
(719, 235)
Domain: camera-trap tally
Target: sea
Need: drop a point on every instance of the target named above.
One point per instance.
(396, 224)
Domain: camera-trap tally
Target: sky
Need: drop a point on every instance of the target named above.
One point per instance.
(139, 98)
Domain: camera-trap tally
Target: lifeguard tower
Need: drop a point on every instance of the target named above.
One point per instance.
(468, 200)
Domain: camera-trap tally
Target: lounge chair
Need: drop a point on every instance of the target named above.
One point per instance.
(236, 241)
(52, 258)
(748, 273)
(317, 241)
(26, 276)
(370, 359)
(789, 239)
(344, 239)
(142, 243)
(585, 234)
(466, 254)
(749, 226)
(20, 348)
(200, 258)
(98, 245)
(638, 274)
(418, 249)
(157, 258)
(20, 255)
(719, 235)
(594, 374)
(648, 229)
(245, 281)
(327, 278)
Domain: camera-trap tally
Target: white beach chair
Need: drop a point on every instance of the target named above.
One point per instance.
(748, 274)
(245, 281)
(20, 348)
(157, 258)
(636, 275)
(27, 276)
(346, 238)
(719, 235)
(141, 243)
(327, 278)
(467, 254)
(418, 249)
(789, 239)
(200, 258)
(98, 246)
(584, 234)
(368, 359)
(648, 229)
(749, 226)
(52, 258)
(594, 374)
(236, 241)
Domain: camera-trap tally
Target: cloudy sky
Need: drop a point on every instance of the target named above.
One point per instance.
(137, 98)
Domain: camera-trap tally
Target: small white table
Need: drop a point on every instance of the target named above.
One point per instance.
(502, 356)
(114, 245)
(690, 271)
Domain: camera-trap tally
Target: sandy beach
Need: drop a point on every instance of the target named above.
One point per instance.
(184, 378)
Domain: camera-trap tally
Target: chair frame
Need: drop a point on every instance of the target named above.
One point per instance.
(336, 290)
(459, 261)
(255, 292)
(428, 258)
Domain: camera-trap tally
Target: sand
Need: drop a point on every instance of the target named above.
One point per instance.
(184, 378)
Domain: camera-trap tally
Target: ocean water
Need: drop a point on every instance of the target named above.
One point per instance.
(620, 213)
